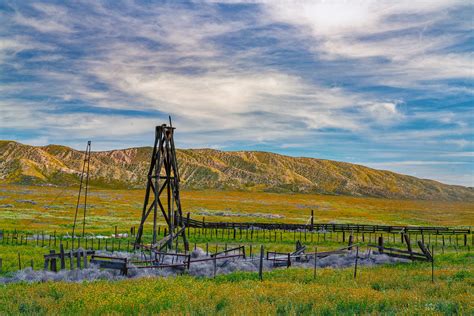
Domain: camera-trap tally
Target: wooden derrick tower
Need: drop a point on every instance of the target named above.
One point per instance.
(163, 184)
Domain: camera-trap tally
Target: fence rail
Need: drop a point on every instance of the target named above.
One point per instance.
(356, 228)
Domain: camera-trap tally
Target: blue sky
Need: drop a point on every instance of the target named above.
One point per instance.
(381, 83)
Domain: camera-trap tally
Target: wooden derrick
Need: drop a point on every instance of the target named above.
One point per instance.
(163, 182)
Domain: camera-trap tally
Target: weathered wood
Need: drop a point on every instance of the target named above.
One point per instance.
(78, 259)
(380, 244)
(407, 241)
(315, 261)
(71, 260)
(351, 241)
(356, 261)
(432, 264)
(58, 255)
(84, 256)
(260, 266)
(425, 250)
(61, 254)
(53, 262)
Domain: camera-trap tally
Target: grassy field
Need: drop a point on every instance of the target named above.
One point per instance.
(51, 208)
(394, 289)
(400, 289)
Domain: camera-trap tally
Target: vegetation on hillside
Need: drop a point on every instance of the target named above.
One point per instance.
(213, 169)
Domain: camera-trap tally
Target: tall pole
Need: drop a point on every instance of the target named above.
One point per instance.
(88, 153)
(79, 195)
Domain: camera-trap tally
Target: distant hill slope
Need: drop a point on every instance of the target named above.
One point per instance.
(206, 168)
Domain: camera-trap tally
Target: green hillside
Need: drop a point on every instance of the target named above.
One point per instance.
(207, 168)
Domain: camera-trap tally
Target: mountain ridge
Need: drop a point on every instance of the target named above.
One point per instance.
(207, 168)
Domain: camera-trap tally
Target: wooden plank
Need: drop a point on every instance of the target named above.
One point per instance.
(425, 250)
(61, 256)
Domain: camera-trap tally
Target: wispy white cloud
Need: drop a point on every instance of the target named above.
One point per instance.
(112, 71)
(399, 33)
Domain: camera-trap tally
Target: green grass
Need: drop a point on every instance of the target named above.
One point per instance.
(395, 289)
(399, 289)
(51, 208)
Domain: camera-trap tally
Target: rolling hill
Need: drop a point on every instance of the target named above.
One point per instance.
(207, 168)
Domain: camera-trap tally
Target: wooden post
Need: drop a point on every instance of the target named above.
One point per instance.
(19, 261)
(380, 244)
(351, 241)
(84, 255)
(116, 231)
(215, 266)
(78, 258)
(32, 264)
(312, 220)
(61, 254)
(53, 262)
(315, 262)
(1, 261)
(407, 240)
(71, 260)
(356, 260)
(260, 266)
(432, 263)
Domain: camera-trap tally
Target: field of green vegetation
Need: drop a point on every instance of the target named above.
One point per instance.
(398, 289)
(386, 289)
(52, 208)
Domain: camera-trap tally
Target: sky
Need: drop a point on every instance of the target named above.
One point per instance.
(386, 84)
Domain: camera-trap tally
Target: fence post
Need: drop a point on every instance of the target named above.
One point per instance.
(215, 265)
(356, 260)
(315, 262)
(53, 262)
(71, 260)
(260, 266)
(84, 254)
(380, 244)
(61, 253)
(78, 256)
(351, 241)
(432, 263)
